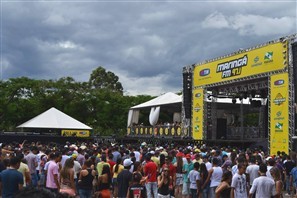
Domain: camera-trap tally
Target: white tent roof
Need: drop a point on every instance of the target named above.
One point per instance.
(53, 118)
(165, 99)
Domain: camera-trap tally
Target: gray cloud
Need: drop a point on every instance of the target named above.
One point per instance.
(145, 43)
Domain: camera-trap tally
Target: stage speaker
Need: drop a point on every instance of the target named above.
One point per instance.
(221, 129)
(187, 94)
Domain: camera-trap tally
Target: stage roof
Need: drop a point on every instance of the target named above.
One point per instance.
(54, 119)
(165, 99)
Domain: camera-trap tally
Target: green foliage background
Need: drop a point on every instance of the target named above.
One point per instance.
(99, 103)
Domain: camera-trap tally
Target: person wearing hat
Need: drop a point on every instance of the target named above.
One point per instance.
(187, 167)
(124, 179)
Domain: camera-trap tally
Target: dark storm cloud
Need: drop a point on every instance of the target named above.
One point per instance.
(145, 43)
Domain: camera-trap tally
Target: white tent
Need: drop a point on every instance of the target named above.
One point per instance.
(167, 98)
(54, 119)
(170, 100)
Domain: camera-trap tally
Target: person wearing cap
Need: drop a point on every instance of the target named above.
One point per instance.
(198, 158)
(187, 167)
(154, 158)
(150, 171)
(124, 179)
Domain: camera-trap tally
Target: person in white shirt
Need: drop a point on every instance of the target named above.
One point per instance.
(252, 170)
(239, 188)
(263, 186)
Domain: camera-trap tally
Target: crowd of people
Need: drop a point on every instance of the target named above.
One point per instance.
(143, 171)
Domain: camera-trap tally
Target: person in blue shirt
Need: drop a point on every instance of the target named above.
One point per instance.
(11, 180)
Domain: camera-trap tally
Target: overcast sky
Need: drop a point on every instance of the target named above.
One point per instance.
(145, 43)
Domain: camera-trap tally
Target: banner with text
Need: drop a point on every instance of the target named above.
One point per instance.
(75, 133)
(197, 117)
(261, 60)
(279, 113)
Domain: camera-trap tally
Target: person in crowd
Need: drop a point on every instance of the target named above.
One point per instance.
(205, 159)
(32, 163)
(64, 156)
(67, 185)
(239, 187)
(124, 179)
(224, 188)
(263, 186)
(155, 158)
(187, 167)
(172, 172)
(214, 177)
(227, 163)
(270, 162)
(194, 178)
(76, 168)
(203, 177)
(116, 154)
(52, 176)
(150, 171)
(238, 160)
(179, 175)
(100, 164)
(11, 180)
(288, 165)
(139, 169)
(164, 183)
(252, 170)
(85, 182)
(104, 182)
(110, 162)
(24, 169)
(293, 179)
(136, 189)
(80, 157)
(116, 170)
(277, 177)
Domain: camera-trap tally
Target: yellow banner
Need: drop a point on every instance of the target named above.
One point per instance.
(265, 59)
(75, 133)
(279, 113)
(197, 116)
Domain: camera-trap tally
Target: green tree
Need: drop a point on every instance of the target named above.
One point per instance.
(102, 79)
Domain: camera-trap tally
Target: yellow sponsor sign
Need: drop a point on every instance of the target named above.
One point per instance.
(261, 60)
(279, 113)
(75, 133)
(197, 116)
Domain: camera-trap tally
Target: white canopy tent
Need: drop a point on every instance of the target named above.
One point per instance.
(54, 119)
(168, 99)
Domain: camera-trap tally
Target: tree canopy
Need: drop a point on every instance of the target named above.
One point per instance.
(99, 103)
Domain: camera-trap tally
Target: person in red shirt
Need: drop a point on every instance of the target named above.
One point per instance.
(111, 163)
(150, 171)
